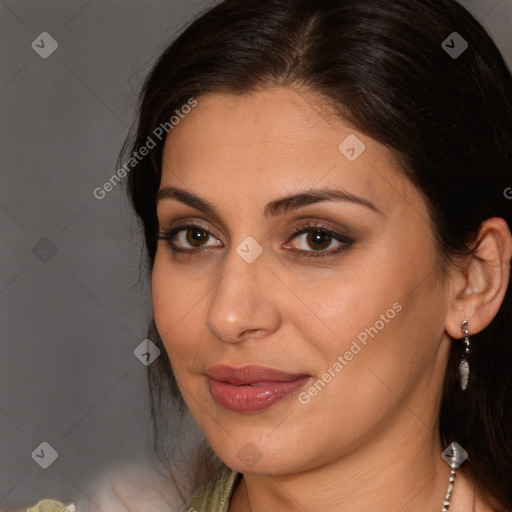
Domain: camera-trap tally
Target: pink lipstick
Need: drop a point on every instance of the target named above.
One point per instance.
(251, 388)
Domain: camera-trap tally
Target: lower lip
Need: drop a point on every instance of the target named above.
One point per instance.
(253, 397)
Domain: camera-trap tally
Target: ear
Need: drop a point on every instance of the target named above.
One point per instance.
(477, 287)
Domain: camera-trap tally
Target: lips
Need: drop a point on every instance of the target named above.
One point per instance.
(251, 388)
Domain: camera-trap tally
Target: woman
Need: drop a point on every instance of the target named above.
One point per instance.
(328, 233)
(324, 187)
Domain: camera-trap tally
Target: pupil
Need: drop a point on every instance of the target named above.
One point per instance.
(319, 238)
(196, 236)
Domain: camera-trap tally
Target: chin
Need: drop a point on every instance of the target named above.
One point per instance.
(261, 455)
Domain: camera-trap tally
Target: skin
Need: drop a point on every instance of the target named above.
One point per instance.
(368, 440)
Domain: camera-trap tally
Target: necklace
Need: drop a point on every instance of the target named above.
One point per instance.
(453, 473)
(446, 502)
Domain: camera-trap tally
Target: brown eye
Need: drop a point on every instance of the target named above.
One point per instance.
(188, 238)
(196, 236)
(312, 241)
(318, 240)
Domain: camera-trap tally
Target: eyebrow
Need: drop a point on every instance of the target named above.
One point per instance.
(272, 209)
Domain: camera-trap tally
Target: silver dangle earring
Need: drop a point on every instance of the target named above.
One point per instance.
(464, 365)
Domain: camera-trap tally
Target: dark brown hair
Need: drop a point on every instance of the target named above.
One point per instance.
(448, 120)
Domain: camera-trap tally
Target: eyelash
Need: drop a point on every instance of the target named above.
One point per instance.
(169, 235)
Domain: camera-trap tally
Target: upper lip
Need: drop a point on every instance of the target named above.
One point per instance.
(250, 374)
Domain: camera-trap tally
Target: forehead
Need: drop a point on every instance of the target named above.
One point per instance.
(279, 116)
(275, 141)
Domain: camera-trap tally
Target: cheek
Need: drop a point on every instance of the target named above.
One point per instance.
(172, 300)
(173, 294)
(179, 302)
(163, 298)
(373, 315)
(345, 306)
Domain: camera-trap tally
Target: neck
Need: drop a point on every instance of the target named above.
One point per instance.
(398, 472)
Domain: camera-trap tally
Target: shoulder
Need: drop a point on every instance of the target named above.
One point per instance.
(48, 505)
(138, 487)
(132, 487)
(214, 494)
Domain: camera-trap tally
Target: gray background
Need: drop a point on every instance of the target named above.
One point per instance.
(70, 321)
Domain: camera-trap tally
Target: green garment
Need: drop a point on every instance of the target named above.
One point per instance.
(215, 493)
(51, 506)
(212, 496)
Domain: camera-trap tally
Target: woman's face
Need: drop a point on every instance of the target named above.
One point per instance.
(299, 330)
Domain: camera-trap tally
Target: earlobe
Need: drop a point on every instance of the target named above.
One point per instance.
(480, 286)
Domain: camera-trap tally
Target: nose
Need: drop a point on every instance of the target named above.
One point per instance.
(244, 304)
